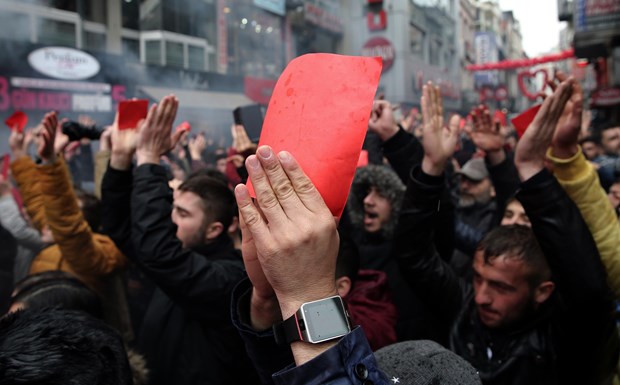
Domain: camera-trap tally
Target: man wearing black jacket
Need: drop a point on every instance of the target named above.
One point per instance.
(539, 310)
(187, 334)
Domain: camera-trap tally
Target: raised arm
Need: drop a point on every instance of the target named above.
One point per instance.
(290, 249)
(202, 286)
(420, 263)
(26, 176)
(559, 227)
(580, 181)
(487, 136)
(72, 233)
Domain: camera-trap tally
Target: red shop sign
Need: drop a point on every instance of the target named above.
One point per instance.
(382, 47)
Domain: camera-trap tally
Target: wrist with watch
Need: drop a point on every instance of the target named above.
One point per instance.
(315, 322)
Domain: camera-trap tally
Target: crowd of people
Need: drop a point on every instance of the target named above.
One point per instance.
(462, 257)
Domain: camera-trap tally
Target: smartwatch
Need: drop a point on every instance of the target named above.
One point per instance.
(315, 322)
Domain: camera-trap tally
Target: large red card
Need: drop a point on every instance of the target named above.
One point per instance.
(130, 112)
(17, 121)
(523, 120)
(319, 112)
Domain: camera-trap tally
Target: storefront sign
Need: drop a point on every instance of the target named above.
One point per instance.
(486, 52)
(596, 15)
(379, 46)
(606, 97)
(377, 21)
(275, 6)
(64, 63)
(321, 17)
(58, 99)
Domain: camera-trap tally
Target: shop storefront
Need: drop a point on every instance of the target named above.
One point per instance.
(37, 79)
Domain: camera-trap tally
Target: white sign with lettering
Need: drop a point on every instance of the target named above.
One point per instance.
(64, 63)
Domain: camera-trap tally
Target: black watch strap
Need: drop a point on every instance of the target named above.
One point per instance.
(289, 330)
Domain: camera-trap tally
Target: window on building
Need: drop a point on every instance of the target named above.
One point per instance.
(153, 52)
(131, 49)
(196, 58)
(255, 45)
(94, 41)
(416, 41)
(14, 26)
(174, 54)
(434, 54)
(56, 32)
(150, 18)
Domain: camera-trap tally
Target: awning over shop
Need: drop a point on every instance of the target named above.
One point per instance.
(199, 99)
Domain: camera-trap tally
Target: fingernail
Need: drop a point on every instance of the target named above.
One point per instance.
(252, 162)
(264, 152)
(284, 156)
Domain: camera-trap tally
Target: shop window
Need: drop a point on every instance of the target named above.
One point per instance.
(196, 58)
(153, 52)
(14, 26)
(94, 41)
(174, 54)
(255, 44)
(56, 32)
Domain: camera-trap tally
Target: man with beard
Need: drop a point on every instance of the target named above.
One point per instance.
(182, 246)
(538, 310)
(475, 212)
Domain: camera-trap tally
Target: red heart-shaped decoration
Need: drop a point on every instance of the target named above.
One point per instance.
(532, 75)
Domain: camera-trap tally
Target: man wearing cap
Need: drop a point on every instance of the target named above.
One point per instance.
(475, 212)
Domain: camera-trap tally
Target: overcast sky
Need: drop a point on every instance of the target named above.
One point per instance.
(539, 23)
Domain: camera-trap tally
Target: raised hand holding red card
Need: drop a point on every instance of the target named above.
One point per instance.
(17, 121)
(130, 112)
(323, 123)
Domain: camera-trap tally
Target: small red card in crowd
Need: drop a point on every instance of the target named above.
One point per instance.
(6, 162)
(500, 116)
(17, 121)
(523, 120)
(184, 126)
(323, 123)
(130, 112)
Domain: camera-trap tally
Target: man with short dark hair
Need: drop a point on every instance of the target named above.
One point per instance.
(538, 310)
(58, 347)
(609, 161)
(182, 245)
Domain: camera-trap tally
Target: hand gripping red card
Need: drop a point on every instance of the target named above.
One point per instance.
(523, 120)
(130, 112)
(319, 112)
(17, 121)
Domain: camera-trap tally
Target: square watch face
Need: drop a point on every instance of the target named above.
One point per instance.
(324, 319)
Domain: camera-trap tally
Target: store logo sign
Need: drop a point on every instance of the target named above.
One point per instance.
(64, 63)
(379, 46)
